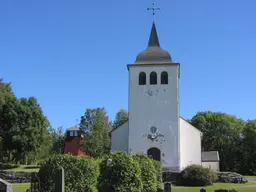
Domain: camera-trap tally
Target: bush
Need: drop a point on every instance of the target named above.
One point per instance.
(119, 173)
(159, 172)
(196, 175)
(4, 166)
(81, 173)
(148, 173)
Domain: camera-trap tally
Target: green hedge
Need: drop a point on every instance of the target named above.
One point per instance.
(81, 173)
(119, 173)
(148, 173)
(159, 172)
(196, 175)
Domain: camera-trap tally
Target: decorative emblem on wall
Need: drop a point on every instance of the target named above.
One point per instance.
(151, 92)
(154, 133)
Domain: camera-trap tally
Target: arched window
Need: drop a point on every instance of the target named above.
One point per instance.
(153, 78)
(142, 78)
(164, 78)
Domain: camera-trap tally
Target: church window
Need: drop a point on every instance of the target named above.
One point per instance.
(164, 78)
(75, 133)
(153, 78)
(71, 133)
(142, 78)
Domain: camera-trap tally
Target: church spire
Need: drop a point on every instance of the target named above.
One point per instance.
(153, 39)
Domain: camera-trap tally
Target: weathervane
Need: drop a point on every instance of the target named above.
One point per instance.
(154, 8)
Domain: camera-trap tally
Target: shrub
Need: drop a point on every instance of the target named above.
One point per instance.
(159, 172)
(196, 175)
(148, 173)
(81, 173)
(119, 173)
(4, 166)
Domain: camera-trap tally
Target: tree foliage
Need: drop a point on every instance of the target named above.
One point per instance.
(247, 149)
(58, 139)
(22, 124)
(221, 132)
(121, 117)
(95, 124)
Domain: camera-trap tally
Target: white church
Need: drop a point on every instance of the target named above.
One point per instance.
(155, 127)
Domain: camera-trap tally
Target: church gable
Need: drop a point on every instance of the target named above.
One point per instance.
(119, 137)
(181, 119)
(118, 126)
(190, 126)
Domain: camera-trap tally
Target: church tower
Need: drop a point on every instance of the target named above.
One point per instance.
(154, 105)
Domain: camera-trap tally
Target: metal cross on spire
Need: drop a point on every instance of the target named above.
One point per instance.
(154, 8)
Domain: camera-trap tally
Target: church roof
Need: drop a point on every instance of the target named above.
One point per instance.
(210, 156)
(154, 53)
(75, 128)
(117, 127)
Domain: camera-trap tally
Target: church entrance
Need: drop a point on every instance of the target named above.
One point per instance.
(154, 153)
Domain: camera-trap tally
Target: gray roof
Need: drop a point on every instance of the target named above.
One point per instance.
(210, 156)
(154, 53)
(75, 128)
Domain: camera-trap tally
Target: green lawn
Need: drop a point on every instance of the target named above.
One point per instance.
(23, 168)
(20, 187)
(248, 187)
(251, 177)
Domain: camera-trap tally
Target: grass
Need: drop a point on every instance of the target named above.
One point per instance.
(251, 177)
(248, 187)
(24, 168)
(20, 187)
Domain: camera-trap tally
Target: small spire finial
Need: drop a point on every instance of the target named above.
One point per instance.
(154, 8)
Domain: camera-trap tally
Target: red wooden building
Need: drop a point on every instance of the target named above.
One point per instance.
(74, 142)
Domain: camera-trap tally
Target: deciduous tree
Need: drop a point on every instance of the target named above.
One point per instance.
(221, 132)
(95, 124)
(121, 117)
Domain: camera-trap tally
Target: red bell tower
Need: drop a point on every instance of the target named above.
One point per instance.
(74, 142)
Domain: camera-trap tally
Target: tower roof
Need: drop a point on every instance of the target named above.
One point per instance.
(154, 53)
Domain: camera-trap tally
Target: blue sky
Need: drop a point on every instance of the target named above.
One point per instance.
(72, 55)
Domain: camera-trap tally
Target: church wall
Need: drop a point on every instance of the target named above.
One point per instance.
(119, 138)
(212, 165)
(155, 105)
(190, 144)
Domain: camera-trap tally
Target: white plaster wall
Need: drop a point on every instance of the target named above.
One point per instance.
(161, 110)
(190, 144)
(212, 165)
(119, 138)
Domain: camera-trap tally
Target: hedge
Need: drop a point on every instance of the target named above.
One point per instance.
(148, 173)
(81, 173)
(196, 175)
(119, 173)
(159, 172)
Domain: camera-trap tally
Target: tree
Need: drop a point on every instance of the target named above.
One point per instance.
(247, 149)
(22, 124)
(95, 124)
(121, 117)
(58, 139)
(221, 132)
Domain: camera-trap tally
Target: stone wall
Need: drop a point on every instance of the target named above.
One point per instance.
(17, 177)
(5, 186)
